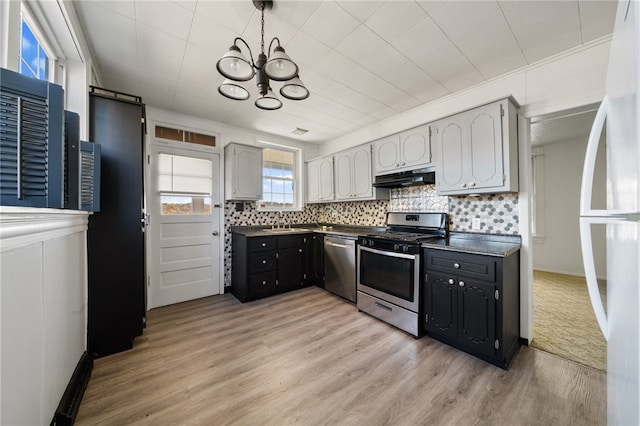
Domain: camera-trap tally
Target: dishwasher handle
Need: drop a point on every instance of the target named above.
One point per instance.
(329, 243)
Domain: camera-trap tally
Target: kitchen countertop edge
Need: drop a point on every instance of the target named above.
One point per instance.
(486, 244)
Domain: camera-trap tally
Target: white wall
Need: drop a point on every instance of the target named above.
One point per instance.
(559, 251)
(43, 309)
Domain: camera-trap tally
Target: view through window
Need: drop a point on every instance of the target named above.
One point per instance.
(278, 180)
(34, 62)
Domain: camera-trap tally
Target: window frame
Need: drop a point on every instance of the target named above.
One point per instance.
(537, 194)
(296, 181)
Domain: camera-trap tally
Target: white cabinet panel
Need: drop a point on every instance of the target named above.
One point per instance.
(320, 180)
(42, 309)
(242, 172)
(408, 150)
(22, 336)
(477, 150)
(353, 176)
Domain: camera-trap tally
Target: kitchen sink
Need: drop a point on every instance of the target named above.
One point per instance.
(285, 230)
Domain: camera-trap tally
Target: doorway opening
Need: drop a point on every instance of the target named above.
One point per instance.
(564, 321)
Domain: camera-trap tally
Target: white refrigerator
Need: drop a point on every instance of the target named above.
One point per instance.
(620, 321)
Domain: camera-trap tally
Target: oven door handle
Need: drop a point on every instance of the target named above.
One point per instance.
(388, 253)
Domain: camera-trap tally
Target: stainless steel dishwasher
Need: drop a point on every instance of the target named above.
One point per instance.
(340, 266)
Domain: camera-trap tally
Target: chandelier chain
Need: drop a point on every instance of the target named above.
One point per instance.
(262, 33)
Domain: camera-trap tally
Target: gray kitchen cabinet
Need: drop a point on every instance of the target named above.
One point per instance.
(320, 180)
(477, 150)
(352, 176)
(242, 172)
(472, 302)
(408, 150)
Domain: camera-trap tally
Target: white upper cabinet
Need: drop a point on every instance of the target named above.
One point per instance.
(320, 180)
(353, 176)
(477, 150)
(243, 172)
(408, 150)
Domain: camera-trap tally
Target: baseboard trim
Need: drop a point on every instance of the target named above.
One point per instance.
(571, 274)
(67, 410)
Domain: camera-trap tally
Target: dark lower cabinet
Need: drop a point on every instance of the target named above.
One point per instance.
(315, 260)
(264, 266)
(472, 302)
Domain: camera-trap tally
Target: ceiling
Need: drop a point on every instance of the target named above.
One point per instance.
(558, 129)
(363, 61)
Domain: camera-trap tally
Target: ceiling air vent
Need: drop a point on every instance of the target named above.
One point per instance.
(299, 131)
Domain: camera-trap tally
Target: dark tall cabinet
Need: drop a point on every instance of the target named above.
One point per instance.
(116, 265)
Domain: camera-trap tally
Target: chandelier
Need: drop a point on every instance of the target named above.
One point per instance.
(276, 65)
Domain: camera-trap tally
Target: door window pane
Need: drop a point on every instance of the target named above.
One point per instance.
(184, 184)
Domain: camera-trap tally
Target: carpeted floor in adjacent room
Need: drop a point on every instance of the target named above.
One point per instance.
(564, 322)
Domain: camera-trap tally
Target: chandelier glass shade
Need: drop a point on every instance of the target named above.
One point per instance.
(276, 65)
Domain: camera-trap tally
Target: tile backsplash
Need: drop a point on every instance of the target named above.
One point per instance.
(498, 213)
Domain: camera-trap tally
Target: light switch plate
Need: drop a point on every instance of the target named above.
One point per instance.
(477, 223)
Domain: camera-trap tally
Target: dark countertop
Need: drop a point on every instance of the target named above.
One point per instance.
(487, 244)
(349, 231)
(467, 242)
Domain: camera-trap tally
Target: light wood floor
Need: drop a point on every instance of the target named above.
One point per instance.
(309, 358)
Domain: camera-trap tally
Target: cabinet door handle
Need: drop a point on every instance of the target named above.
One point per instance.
(264, 262)
(264, 283)
(299, 250)
(264, 244)
(456, 265)
(451, 281)
(215, 233)
(472, 184)
(464, 185)
(461, 283)
(403, 164)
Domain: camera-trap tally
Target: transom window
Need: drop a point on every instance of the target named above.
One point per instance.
(279, 176)
(34, 61)
(185, 185)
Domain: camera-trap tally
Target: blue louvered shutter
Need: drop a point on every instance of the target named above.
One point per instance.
(31, 142)
(90, 157)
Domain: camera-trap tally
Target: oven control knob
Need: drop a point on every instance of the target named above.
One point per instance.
(371, 243)
(405, 248)
(396, 247)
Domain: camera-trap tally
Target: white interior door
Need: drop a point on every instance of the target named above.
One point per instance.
(184, 225)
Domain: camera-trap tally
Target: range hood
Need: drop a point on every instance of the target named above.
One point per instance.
(424, 176)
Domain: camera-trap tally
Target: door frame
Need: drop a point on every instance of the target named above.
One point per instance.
(185, 148)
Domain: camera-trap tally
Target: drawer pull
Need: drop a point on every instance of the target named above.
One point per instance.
(461, 283)
(456, 265)
(264, 244)
(264, 262)
(264, 283)
(385, 307)
(451, 281)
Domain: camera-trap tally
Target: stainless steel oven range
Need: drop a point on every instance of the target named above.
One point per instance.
(389, 270)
